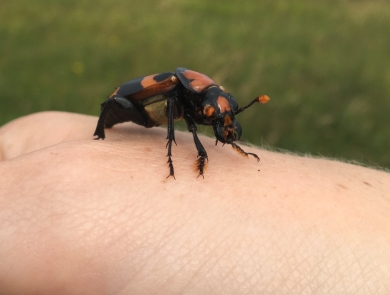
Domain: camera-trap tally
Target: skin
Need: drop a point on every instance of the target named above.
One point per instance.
(79, 216)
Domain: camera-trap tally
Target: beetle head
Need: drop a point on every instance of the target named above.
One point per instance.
(218, 110)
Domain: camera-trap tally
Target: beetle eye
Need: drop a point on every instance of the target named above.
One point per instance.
(233, 104)
(208, 110)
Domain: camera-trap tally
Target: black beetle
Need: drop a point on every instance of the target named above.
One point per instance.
(163, 98)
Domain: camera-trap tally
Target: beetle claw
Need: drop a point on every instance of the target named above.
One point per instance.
(172, 176)
(200, 164)
(171, 170)
(200, 175)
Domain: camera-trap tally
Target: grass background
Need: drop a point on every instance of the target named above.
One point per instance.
(325, 64)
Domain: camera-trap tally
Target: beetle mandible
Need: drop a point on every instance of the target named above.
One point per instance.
(164, 98)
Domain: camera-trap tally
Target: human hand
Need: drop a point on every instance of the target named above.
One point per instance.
(79, 216)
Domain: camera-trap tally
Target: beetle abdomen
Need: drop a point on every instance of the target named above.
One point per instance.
(146, 98)
(144, 87)
(119, 114)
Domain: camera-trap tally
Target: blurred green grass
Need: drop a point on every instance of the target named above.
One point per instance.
(325, 65)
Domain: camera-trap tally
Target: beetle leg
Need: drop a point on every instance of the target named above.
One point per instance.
(202, 155)
(99, 132)
(170, 136)
(117, 109)
(242, 152)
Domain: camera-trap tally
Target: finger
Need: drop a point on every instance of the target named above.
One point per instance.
(43, 129)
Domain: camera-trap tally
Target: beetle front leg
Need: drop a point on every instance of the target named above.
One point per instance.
(242, 152)
(170, 136)
(202, 155)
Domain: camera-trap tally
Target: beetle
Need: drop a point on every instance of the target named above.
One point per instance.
(164, 98)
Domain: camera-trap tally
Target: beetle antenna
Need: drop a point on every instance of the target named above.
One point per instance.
(260, 99)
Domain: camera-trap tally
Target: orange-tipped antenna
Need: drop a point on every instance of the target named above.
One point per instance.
(263, 99)
(260, 99)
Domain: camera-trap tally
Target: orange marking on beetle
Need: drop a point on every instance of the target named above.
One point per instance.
(240, 151)
(200, 82)
(152, 87)
(208, 110)
(148, 81)
(223, 104)
(227, 121)
(263, 99)
(115, 92)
